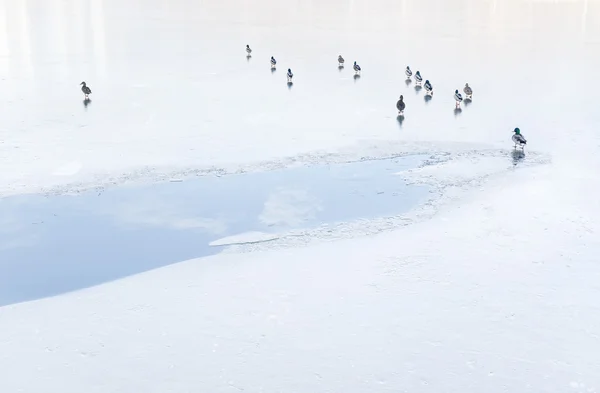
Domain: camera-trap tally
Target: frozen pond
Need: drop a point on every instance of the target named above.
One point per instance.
(52, 245)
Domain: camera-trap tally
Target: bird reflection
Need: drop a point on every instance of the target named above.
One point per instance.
(400, 119)
(517, 155)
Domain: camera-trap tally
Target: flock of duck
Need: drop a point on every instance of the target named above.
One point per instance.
(400, 105)
(517, 138)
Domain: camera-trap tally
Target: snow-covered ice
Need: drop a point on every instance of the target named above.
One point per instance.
(492, 285)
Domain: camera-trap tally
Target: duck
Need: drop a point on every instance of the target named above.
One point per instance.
(289, 75)
(418, 77)
(86, 90)
(356, 68)
(400, 105)
(248, 50)
(273, 62)
(408, 72)
(468, 91)
(518, 139)
(428, 87)
(458, 98)
(341, 61)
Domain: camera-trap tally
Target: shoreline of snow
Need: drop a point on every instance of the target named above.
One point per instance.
(82, 182)
(244, 238)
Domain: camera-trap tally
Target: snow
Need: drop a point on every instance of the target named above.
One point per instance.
(490, 286)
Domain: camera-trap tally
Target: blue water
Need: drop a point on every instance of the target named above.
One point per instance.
(53, 245)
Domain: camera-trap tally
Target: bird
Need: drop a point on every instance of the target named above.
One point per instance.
(86, 90)
(418, 77)
(468, 91)
(273, 62)
(289, 75)
(356, 68)
(428, 87)
(518, 139)
(340, 61)
(248, 50)
(458, 98)
(408, 72)
(400, 105)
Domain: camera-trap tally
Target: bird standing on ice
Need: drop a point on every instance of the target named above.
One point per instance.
(86, 90)
(248, 50)
(341, 61)
(468, 91)
(289, 75)
(518, 139)
(458, 98)
(418, 77)
(356, 68)
(400, 105)
(428, 88)
(273, 62)
(408, 72)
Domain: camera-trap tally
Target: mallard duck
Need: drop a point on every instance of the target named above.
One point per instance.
(518, 139)
(356, 68)
(458, 98)
(289, 75)
(341, 61)
(468, 91)
(248, 50)
(418, 77)
(400, 105)
(273, 62)
(428, 87)
(86, 90)
(408, 72)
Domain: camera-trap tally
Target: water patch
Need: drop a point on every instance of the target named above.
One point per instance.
(52, 245)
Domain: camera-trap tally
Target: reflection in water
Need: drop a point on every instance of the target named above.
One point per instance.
(408, 82)
(457, 111)
(4, 47)
(17, 43)
(72, 26)
(24, 43)
(56, 31)
(86, 102)
(97, 25)
(51, 35)
(51, 245)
